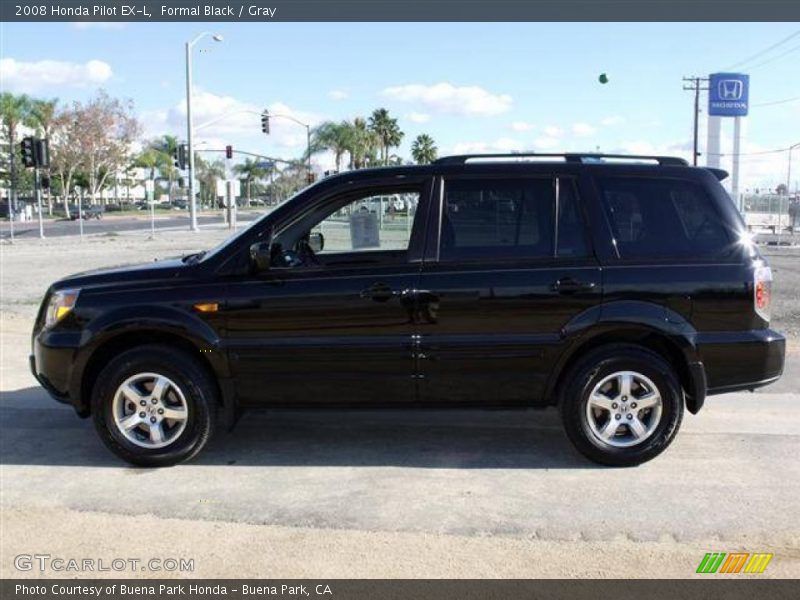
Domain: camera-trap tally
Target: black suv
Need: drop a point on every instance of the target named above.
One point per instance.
(618, 288)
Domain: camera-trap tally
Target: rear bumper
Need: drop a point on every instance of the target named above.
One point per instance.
(741, 360)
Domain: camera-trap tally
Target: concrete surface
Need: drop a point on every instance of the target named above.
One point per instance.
(390, 494)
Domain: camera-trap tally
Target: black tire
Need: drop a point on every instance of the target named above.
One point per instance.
(590, 370)
(187, 373)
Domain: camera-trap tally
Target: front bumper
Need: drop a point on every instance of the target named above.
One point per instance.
(52, 363)
(741, 360)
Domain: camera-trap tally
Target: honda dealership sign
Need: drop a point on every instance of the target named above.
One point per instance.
(728, 94)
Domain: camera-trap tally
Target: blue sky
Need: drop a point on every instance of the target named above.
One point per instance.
(472, 86)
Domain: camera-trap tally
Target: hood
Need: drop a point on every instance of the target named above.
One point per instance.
(156, 270)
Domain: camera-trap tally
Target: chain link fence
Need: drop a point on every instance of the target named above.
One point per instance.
(773, 213)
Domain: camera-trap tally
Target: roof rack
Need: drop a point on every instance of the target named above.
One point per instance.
(572, 157)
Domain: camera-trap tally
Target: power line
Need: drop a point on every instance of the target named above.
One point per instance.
(776, 151)
(793, 99)
(764, 51)
(774, 58)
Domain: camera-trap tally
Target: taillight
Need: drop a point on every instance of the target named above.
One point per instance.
(762, 291)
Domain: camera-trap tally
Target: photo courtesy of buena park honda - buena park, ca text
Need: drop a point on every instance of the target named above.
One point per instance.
(349, 300)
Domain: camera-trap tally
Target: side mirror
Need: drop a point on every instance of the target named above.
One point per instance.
(260, 255)
(316, 241)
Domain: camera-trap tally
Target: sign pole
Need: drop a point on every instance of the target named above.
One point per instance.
(714, 125)
(151, 198)
(728, 96)
(737, 133)
(38, 185)
(11, 220)
(80, 213)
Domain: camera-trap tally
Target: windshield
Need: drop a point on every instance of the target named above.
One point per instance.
(233, 238)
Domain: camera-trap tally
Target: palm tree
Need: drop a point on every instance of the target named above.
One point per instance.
(43, 114)
(149, 158)
(208, 173)
(387, 130)
(423, 149)
(289, 179)
(250, 171)
(14, 111)
(167, 147)
(334, 137)
(363, 142)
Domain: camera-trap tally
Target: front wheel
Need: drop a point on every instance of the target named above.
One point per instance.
(622, 405)
(154, 406)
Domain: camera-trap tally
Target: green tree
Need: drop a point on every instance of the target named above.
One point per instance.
(423, 149)
(362, 143)
(167, 146)
(332, 136)
(149, 159)
(387, 130)
(208, 173)
(250, 172)
(43, 115)
(15, 111)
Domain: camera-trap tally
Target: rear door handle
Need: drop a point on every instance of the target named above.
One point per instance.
(380, 292)
(568, 285)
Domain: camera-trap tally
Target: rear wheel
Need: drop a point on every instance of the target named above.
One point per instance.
(622, 405)
(154, 406)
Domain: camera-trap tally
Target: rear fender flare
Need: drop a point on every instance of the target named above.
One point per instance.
(631, 320)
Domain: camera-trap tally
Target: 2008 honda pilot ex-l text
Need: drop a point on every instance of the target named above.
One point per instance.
(618, 289)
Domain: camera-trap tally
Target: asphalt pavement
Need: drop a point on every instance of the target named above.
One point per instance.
(116, 224)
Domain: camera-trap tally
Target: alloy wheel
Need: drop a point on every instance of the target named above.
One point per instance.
(150, 410)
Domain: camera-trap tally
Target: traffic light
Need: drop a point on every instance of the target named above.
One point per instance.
(180, 155)
(228, 151)
(28, 152)
(45, 182)
(41, 153)
(265, 122)
(310, 178)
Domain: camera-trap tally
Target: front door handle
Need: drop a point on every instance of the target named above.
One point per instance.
(568, 285)
(380, 292)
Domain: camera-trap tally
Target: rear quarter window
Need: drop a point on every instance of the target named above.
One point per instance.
(664, 218)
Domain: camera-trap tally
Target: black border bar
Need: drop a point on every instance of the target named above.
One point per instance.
(740, 588)
(401, 10)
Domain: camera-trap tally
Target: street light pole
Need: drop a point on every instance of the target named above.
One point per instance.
(189, 126)
(308, 150)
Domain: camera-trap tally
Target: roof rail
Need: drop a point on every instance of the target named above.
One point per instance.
(576, 157)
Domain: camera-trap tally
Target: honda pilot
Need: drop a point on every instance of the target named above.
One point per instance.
(621, 290)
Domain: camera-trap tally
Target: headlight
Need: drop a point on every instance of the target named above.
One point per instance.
(60, 305)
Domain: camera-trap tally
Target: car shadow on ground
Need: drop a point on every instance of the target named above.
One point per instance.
(36, 431)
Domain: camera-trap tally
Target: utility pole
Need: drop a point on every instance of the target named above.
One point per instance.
(695, 84)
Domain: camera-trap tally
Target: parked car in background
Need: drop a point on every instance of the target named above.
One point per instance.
(87, 211)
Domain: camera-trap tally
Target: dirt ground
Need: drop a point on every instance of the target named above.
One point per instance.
(412, 494)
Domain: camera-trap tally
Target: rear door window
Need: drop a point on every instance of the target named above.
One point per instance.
(664, 218)
(491, 219)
